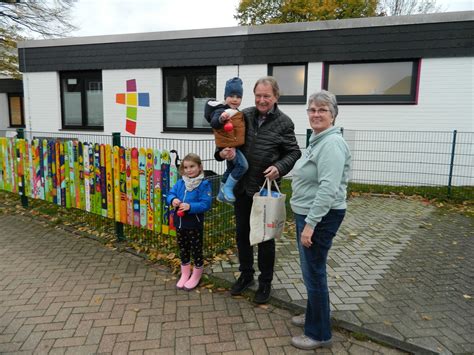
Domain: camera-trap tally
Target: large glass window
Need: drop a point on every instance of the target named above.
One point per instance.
(186, 92)
(82, 100)
(373, 82)
(15, 107)
(292, 82)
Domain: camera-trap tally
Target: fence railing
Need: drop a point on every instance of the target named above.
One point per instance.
(411, 158)
(393, 158)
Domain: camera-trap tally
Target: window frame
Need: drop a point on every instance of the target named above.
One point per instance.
(22, 111)
(82, 75)
(411, 99)
(292, 99)
(188, 72)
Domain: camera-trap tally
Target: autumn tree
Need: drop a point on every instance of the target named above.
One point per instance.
(22, 19)
(407, 7)
(258, 12)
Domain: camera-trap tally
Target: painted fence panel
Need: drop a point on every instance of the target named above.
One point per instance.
(120, 183)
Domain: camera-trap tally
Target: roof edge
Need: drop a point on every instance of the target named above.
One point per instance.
(254, 30)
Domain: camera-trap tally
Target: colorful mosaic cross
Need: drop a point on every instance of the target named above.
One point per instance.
(132, 99)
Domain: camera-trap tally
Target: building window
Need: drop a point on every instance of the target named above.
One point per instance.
(373, 82)
(186, 92)
(82, 100)
(292, 82)
(15, 109)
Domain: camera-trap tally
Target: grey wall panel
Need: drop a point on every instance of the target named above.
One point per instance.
(433, 40)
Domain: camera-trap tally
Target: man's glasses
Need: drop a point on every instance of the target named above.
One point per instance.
(320, 111)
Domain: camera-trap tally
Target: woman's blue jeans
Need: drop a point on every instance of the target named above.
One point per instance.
(313, 267)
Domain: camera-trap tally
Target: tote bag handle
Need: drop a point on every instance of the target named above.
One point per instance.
(268, 185)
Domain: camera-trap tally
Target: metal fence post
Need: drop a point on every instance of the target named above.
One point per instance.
(118, 225)
(20, 134)
(308, 135)
(451, 164)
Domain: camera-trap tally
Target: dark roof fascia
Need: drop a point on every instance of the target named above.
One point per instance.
(11, 86)
(428, 39)
(459, 16)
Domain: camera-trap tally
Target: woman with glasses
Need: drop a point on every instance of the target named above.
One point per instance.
(319, 187)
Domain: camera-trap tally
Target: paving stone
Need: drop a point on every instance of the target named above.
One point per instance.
(32, 341)
(94, 336)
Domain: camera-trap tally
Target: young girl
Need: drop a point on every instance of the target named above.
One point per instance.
(191, 197)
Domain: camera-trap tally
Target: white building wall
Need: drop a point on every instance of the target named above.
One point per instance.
(42, 101)
(223, 74)
(445, 102)
(149, 119)
(250, 74)
(4, 114)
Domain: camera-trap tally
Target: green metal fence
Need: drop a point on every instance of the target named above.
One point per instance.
(219, 226)
(438, 163)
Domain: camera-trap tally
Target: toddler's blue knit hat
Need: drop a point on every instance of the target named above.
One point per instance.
(233, 87)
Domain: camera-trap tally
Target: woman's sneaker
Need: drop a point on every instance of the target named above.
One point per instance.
(298, 320)
(306, 343)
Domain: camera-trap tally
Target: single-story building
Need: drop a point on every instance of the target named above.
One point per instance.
(11, 104)
(390, 74)
(411, 73)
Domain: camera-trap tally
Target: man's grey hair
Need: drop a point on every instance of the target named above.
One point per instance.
(269, 80)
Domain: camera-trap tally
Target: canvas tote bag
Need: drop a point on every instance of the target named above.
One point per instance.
(268, 214)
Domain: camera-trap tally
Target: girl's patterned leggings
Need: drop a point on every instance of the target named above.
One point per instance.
(190, 244)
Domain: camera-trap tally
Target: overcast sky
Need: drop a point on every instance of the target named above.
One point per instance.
(125, 16)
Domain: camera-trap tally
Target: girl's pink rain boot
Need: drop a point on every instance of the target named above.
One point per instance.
(185, 274)
(195, 278)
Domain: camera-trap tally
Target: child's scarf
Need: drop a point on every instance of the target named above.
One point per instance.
(192, 183)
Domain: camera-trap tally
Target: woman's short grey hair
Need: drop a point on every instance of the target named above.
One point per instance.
(269, 80)
(326, 98)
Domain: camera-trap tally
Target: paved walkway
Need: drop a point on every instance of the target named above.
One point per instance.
(60, 293)
(400, 271)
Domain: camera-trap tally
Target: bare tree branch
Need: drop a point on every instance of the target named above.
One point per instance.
(408, 7)
(21, 19)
